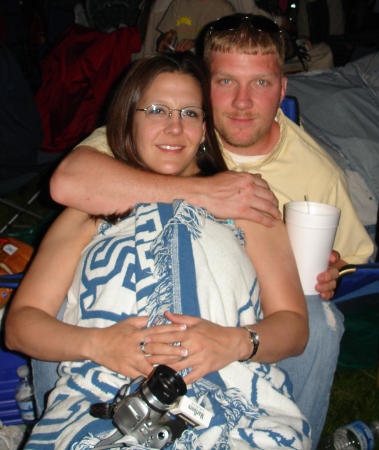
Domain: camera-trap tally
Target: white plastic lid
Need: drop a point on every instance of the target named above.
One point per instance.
(23, 371)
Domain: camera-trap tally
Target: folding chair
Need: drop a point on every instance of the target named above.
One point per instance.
(358, 287)
(290, 107)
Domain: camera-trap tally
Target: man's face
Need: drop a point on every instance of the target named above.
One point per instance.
(246, 93)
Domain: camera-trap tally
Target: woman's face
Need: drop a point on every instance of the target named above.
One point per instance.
(169, 146)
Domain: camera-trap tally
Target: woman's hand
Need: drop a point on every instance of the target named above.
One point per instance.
(204, 346)
(119, 347)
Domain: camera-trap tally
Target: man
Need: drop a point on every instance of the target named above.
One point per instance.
(245, 56)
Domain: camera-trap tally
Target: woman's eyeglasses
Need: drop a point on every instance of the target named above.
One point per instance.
(159, 113)
(234, 21)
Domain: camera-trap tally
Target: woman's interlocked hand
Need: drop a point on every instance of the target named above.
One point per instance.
(204, 346)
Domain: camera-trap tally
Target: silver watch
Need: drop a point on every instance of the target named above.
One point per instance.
(254, 339)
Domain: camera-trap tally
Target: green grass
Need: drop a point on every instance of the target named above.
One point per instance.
(354, 395)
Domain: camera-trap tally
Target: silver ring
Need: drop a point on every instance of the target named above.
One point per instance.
(143, 348)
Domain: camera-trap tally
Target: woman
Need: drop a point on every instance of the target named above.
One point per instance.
(165, 274)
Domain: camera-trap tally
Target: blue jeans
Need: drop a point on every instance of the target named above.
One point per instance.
(45, 375)
(312, 372)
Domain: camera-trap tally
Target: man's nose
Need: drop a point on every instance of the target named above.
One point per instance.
(243, 98)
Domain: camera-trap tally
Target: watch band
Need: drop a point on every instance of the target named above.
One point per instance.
(254, 339)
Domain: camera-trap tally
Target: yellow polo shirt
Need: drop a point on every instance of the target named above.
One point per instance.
(298, 166)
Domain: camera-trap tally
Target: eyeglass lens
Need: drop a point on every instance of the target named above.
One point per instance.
(191, 114)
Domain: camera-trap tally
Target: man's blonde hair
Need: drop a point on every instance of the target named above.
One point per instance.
(245, 40)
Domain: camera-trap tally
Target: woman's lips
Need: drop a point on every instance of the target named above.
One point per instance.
(170, 148)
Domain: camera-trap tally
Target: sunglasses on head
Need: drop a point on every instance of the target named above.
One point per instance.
(234, 21)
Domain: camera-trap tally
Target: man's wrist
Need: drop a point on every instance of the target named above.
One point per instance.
(194, 190)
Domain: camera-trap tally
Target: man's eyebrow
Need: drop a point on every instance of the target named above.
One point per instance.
(222, 74)
(253, 76)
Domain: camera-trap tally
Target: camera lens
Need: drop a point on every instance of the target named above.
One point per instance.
(101, 410)
(165, 384)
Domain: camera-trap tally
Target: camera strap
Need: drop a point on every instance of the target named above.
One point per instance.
(107, 443)
(111, 442)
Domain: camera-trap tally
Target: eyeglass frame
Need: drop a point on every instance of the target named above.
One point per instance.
(243, 18)
(170, 112)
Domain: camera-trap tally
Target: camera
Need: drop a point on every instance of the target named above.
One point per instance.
(143, 413)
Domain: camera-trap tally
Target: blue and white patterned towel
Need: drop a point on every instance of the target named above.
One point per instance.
(179, 259)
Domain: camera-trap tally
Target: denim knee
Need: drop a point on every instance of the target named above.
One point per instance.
(326, 324)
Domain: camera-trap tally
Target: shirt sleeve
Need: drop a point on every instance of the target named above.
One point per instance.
(98, 140)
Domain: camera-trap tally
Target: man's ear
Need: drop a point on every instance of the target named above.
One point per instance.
(284, 88)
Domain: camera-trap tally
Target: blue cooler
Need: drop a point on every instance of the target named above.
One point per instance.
(9, 361)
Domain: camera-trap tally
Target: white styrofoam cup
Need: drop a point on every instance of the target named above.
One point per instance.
(311, 228)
